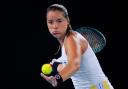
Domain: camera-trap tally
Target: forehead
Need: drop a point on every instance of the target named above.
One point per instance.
(55, 14)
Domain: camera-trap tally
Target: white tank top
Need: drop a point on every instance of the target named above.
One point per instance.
(90, 72)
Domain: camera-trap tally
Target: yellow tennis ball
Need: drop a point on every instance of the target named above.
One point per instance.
(46, 69)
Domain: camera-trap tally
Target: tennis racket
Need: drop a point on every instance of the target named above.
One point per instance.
(95, 38)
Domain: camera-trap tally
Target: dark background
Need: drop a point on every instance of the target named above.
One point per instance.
(27, 43)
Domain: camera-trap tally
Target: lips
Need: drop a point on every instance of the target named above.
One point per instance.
(55, 33)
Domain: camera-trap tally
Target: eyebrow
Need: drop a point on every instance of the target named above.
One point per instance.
(50, 20)
(59, 19)
(56, 19)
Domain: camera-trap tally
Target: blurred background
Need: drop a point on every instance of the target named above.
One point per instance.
(28, 44)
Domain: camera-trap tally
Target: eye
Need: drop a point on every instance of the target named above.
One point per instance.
(50, 22)
(59, 20)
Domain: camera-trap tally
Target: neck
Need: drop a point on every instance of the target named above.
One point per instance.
(61, 40)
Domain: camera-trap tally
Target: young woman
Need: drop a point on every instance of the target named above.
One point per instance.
(78, 61)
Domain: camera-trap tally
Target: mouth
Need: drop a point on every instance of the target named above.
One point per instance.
(55, 33)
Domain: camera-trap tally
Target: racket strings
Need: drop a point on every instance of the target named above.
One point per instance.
(95, 38)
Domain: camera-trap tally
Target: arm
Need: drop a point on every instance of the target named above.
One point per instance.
(74, 52)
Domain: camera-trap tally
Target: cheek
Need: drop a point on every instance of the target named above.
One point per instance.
(64, 25)
(49, 26)
(49, 29)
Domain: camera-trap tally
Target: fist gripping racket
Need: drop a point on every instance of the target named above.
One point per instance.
(95, 38)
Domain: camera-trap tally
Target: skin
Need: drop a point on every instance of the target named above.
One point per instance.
(57, 25)
(75, 44)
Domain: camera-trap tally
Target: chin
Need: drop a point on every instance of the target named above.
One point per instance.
(57, 37)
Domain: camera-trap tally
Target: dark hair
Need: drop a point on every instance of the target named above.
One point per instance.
(61, 8)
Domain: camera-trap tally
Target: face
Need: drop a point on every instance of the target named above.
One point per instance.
(57, 23)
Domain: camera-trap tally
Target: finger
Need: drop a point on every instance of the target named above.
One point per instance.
(54, 83)
(50, 79)
(53, 60)
(44, 76)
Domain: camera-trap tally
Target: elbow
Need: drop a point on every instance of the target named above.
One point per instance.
(77, 67)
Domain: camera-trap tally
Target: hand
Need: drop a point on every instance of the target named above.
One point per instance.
(60, 67)
(57, 66)
(51, 79)
(53, 60)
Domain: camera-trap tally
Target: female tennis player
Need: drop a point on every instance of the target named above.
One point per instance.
(78, 61)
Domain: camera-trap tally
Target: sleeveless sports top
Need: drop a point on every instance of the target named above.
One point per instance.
(90, 72)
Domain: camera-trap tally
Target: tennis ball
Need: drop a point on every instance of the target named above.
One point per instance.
(46, 69)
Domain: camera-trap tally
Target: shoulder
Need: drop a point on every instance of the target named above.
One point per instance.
(74, 39)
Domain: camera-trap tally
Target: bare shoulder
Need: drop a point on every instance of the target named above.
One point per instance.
(75, 39)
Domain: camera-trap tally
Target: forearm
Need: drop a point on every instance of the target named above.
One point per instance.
(68, 70)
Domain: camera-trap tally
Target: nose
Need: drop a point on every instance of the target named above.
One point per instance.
(55, 26)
